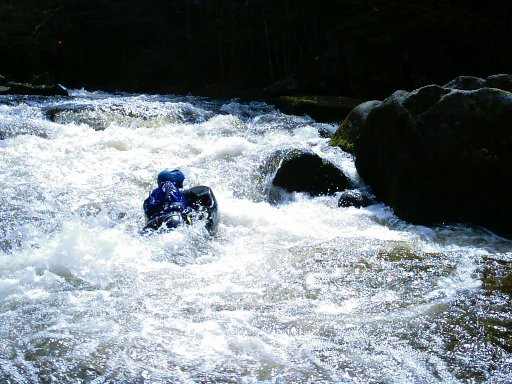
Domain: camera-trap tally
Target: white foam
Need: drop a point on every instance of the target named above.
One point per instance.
(224, 149)
(345, 307)
(288, 290)
(7, 287)
(463, 278)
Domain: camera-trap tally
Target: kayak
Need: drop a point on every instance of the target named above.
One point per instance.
(202, 207)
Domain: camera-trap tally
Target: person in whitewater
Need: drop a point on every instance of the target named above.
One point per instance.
(167, 196)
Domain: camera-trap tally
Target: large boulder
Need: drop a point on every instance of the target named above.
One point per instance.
(470, 83)
(302, 171)
(438, 154)
(347, 135)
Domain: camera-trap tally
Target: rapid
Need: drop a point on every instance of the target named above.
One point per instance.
(299, 292)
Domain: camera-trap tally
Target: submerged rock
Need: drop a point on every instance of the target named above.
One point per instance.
(354, 198)
(301, 171)
(438, 154)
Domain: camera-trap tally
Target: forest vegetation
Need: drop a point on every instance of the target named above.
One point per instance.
(357, 48)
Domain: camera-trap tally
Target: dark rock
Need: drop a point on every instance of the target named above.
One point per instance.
(500, 81)
(438, 155)
(469, 83)
(354, 198)
(321, 108)
(300, 171)
(13, 88)
(45, 78)
(347, 135)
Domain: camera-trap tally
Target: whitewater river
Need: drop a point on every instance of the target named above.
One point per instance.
(301, 292)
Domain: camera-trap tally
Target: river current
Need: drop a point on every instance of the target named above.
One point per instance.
(299, 292)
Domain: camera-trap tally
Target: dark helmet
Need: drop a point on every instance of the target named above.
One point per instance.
(175, 176)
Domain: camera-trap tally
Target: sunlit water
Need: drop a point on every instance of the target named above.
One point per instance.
(302, 292)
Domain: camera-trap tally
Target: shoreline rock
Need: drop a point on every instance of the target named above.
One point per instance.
(438, 154)
(327, 109)
(10, 87)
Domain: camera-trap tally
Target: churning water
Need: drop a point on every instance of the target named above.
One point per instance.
(301, 292)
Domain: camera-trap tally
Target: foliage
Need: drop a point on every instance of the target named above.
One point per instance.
(362, 48)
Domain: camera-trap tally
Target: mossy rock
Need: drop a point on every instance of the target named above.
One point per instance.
(320, 108)
(437, 155)
(470, 83)
(14, 88)
(467, 83)
(501, 81)
(347, 135)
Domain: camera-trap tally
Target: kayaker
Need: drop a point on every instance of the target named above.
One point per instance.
(167, 196)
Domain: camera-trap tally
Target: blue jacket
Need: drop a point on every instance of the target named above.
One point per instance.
(164, 198)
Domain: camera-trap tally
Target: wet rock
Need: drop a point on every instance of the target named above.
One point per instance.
(501, 81)
(438, 154)
(321, 108)
(347, 136)
(470, 83)
(300, 171)
(467, 83)
(14, 88)
(354, 198)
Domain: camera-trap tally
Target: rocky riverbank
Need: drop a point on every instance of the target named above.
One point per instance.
(438, 154)
(12, 87)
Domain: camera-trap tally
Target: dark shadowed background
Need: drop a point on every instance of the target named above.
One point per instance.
(358, 48)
